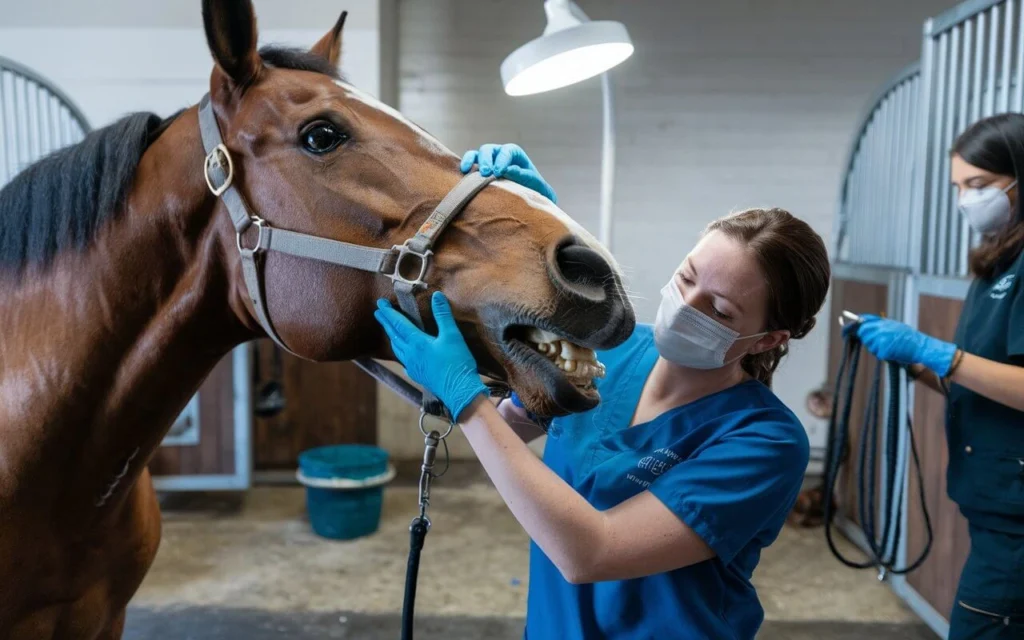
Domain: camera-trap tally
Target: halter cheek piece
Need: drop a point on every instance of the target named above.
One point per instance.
(219, 172)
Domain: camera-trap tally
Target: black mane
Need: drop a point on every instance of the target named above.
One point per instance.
(62, 201)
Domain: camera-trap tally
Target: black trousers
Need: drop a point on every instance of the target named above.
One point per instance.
(989, 601)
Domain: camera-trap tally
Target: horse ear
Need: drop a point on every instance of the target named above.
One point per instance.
(329, 46)
(231, 34)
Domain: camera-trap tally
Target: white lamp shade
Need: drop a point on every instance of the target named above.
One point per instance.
(565, 57)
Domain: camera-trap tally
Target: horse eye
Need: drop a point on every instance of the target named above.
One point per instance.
(322, 137)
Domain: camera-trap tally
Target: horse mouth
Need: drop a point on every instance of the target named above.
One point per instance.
(578, 364)
(567, 370)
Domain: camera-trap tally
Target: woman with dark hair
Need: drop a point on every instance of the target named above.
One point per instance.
(648, 513)
(983, 370)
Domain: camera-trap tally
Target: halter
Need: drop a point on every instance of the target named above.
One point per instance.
(219, 171)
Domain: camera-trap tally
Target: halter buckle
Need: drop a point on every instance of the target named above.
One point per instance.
(218, 158)
(404, 250)
(259, 223)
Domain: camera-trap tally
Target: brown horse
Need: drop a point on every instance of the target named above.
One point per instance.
(121, 288)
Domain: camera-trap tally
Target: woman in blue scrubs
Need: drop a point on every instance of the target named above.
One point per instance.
(648, 513)
(983, 370)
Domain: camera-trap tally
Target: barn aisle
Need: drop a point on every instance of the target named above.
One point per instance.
(230, 567)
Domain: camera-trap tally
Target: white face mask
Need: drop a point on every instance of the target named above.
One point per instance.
(987, 210)
(689, 338)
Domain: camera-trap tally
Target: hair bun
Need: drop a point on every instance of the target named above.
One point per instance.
(805, 328)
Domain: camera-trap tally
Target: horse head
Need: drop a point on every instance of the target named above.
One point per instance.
(532, 291)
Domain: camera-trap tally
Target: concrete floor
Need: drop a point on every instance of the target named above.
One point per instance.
(250, 567)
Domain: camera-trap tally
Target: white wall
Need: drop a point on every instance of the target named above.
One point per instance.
(725, 105)
(119, 56)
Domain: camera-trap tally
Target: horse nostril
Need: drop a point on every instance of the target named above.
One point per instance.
(582, 269)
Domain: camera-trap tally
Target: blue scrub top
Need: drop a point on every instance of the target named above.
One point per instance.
(985, 476)
(729, 465)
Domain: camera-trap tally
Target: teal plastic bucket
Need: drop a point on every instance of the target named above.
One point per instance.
(344, 488)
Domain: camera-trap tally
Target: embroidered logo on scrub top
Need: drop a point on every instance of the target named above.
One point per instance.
(1002, 288)
(653, 465)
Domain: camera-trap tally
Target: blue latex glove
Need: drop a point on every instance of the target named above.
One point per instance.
(443, 364)
(898, 342)
(510, 162)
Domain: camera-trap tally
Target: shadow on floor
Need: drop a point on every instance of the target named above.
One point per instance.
(198, 623)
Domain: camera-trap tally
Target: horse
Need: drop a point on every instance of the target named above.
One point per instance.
(122, 285)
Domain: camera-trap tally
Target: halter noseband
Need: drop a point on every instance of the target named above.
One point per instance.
(219, 171)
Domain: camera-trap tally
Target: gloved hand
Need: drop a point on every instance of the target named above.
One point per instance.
(508, 161)
(443, 364)
(898, 342)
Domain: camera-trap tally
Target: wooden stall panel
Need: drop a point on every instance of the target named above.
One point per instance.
(325, 403)
(859, 297)
(215, 452)
(937, 578)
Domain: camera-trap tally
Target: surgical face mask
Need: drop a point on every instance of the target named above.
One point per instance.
(689, 338)
(987, 210)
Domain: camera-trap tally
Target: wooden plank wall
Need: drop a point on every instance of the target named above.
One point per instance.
(937, 578)
(326, 403)
(858, 297)
(215, 453)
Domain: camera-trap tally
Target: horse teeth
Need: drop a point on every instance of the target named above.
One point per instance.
(571, 358)
(541, 336)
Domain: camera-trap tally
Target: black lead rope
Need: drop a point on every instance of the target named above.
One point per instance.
(883, 548)
(420, 525)
(417, 534)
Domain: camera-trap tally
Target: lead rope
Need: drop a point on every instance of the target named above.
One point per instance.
(883, 549)
(420, 525)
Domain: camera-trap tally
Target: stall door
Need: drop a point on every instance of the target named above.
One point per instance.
(323, 403)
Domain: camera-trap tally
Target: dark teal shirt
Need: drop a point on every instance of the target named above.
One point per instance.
(986, 439)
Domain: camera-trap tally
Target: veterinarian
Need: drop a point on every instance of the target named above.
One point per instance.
(648, 513)
(983, 370)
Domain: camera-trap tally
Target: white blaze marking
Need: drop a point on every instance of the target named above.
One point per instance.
(541, 203)
(426, 140)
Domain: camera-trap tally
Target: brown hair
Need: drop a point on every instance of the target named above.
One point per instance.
(795, 264)
(996, 144)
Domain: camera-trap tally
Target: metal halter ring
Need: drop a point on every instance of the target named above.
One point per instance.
(405, 250)
(423, 430)
(214, 160)
(259, 223)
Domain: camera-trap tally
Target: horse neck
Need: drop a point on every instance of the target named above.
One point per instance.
(114, 340)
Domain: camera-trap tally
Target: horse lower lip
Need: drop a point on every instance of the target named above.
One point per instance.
(528, 356)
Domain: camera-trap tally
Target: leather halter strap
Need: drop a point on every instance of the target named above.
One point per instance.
(414, 255)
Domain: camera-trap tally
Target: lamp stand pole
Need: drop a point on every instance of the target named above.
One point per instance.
(607, 163)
